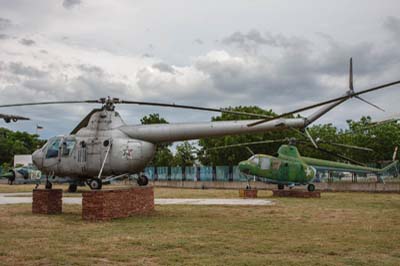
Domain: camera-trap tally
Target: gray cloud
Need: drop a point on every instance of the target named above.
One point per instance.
(251, 40)
(27, 42)
(5, 23)
(19, 69)
(163, 67)
(393, 25)
(198, 41)
(4, 36)
(68, 4)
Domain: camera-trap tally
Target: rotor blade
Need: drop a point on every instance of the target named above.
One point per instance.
(335, 154)
(46, 103)
(350, 95)
(247, 144)
(249, 150)
(310, 138)
(351, 87)
(173, 105)
(116, 101)
(374, 105)
(347, 146)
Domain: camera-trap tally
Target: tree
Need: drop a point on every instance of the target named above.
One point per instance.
(163, 156)
(184, 154)
(233, 156)
(12, 143)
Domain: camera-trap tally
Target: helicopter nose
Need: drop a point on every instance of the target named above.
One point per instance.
(242, 165)
(37, 159)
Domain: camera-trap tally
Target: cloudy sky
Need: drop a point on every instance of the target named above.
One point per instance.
(276, 54)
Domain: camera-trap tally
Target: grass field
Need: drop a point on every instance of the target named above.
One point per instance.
(338, 229)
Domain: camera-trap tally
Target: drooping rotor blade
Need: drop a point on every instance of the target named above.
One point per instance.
(348, 96)
(248, 144)
(394, 153)
(310, 138)
(351, 87)
(346, 146)
(46, 103)
(173, 105)
(317, 141)
(336, 155)
(367, 102)
(112, 101)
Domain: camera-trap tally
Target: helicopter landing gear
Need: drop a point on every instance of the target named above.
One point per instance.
(48, 185)
(281, 186)
(142, 180)
(72, 188)
(311, 187)
(95, 183)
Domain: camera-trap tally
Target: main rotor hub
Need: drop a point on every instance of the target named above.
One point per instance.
(109, 103)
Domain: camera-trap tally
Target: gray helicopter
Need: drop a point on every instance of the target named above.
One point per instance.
(8, 118)
(103, 145)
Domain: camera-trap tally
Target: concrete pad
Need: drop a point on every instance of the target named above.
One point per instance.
(13, 198)
(213, 202)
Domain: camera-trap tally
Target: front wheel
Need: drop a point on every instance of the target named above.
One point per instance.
(95, 183)
(49, 185)
(142, 180)
(311, 187)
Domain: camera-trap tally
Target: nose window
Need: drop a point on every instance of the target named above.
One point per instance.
(52, 151)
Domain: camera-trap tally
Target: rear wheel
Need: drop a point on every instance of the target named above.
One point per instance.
(311, 187)
(72, 188)
(95, 183)
(281, 186)
(142, 180)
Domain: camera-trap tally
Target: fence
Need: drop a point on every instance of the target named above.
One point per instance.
(191, 173)
(232, 173)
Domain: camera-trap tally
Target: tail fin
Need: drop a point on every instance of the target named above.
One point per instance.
(393, 164)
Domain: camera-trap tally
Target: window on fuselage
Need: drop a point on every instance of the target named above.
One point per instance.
(265, 163)
(53, 148)
(68, 146)
(255, 160)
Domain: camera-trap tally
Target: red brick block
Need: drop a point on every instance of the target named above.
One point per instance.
(47, 201)
(248, 193)
(104, 205)
(296, 193)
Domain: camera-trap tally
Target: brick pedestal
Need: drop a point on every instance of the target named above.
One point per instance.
(248, 193)
(104, 205)
(47, 201)
(296, 193)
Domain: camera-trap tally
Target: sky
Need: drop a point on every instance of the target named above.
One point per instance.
(279, 55)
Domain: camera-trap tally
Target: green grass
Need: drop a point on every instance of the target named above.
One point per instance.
(338, 229)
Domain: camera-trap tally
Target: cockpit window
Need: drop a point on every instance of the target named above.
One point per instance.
(254, 160)
(265, 163)
(68, 146)
(53, 148)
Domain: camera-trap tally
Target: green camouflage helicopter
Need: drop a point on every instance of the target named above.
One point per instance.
(290, 169)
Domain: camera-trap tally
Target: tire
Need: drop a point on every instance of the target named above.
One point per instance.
(49, 185)
(72, 188)
(95, 184)
(142, 180)
(281, 186)
(311, 187)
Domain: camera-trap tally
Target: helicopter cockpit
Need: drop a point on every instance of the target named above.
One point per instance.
(59, 146)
